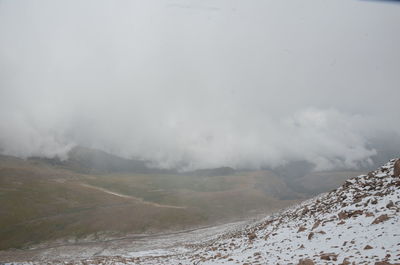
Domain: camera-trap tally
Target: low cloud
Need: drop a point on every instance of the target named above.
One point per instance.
(246, 85)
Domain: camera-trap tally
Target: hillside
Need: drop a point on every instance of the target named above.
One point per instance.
(49, 202)
(357, 223)
(94, 196)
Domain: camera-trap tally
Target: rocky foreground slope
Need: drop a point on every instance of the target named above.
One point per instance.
(358, 223)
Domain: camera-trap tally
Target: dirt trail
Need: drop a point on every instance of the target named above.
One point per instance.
(132, 197)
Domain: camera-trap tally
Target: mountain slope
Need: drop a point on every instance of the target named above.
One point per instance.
(50, 203)
(358, 223)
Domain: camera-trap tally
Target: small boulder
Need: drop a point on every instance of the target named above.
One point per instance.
(390, 204)
(301, 229)
(396, 171)
(306, 262)
(316, 224)
(252, 236)
(381, 219)
(342, 215)
(385, 263)
(329, 256)
(345, 262)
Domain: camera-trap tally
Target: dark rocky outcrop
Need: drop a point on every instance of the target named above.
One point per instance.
(396, 170)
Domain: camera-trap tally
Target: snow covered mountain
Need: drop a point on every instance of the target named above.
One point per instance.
(358, 223)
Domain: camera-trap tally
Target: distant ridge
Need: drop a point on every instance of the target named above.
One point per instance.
(219, 171)
(88, 160)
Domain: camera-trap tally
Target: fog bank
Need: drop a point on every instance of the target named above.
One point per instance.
(198, 84)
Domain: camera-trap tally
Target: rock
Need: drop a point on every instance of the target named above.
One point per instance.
(305, 210)
(306, 262)
(390, 204)
(380, 219)
(368, 247)
(345, 262)
(396, 171)
(316, 224)
(342, 215)
(347, 183)
(328, 256)
(252, 236)
(310, 235)
(301, 229)
(354, 213)
(385, 263)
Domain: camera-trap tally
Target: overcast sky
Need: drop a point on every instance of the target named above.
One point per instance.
(209, 83)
